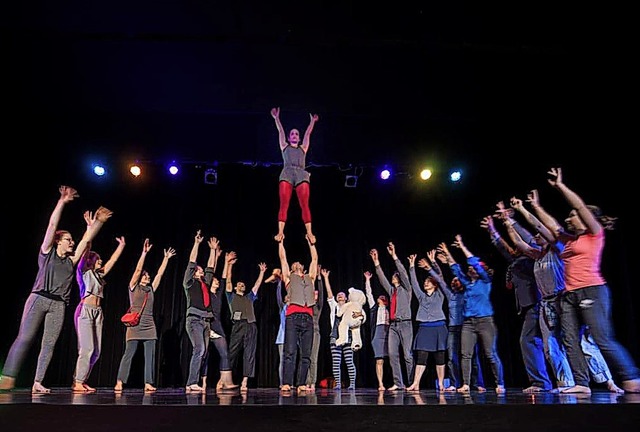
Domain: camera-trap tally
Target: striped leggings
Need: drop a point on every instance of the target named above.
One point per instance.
(337, 354)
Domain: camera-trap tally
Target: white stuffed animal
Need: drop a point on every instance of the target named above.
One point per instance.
(354, 303)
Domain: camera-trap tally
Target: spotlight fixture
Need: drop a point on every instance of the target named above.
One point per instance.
(351, 181)
(211, 176)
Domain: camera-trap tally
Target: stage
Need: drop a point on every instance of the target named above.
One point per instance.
(362, 409)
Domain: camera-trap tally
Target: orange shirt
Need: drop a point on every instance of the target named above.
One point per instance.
(582, 258)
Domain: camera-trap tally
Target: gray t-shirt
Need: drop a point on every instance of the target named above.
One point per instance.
(55, 275)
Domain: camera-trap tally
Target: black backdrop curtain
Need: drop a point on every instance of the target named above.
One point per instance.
(241, 211)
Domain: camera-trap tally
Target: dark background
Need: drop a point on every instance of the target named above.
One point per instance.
(503, 91)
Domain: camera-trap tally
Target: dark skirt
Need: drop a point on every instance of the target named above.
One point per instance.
(431, 338)
(380, 341)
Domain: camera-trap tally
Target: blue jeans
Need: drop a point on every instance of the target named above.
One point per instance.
(592, 306)
(298, 332)
(552, 340)
(532, 348)
(198, 331)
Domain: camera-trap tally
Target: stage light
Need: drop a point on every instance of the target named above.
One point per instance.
(99, 170)
(135, 170)
(173, 168)
(351, 181)
(211, 176)
(385, 174)
(455, 175)
(425, 174)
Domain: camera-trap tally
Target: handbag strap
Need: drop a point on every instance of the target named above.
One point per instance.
(144, 303)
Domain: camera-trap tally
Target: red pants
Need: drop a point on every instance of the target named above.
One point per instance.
(302, 192)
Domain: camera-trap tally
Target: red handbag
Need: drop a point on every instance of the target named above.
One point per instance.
(132, 319)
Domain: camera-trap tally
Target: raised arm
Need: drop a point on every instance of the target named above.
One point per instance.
(535, 223)
(428, 265)
(67, 194)
(97, 220)
(168, 254)
(379, 272)
(460, 245)
(547, 220)
(503, 247)
(263, 268)
(415, 286)
(520, 244)
(320, 301)
(313, 265)
(284, 264)
(114, 256)
(367, 289)
(327, 284)
(282, 139)
(402, 271)
(135, 278)
(214, 253)
(193, 256)
(575, 202)
(306, 140)
(506, 216)
(230, 260)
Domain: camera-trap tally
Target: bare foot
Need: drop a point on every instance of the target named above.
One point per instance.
(613, 388)
(450, 389)
(302, 388)
(118, 387)
(285, 388)
(481, 389)
(381, 388)
(193, 388)
(464, 389)
(631, 386)
(78, 387)
(7, 382)
(393, 388)
(148, 388)
(413, 387)
(533, 389)
(576, 389)
(39, 388)
(500, 389)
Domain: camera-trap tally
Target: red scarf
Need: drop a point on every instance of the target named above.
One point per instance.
(394, 298)
(205, 293)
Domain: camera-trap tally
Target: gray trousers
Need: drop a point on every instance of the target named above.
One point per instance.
(401, 335)
(312, 376)
(88, 321)
(149, 360)
(36, 310)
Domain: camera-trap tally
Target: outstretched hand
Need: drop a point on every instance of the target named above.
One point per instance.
(556, 173)
(532, 198)
(275, 112)
(102, 214)
(67, 193)
(314, 117)
(198, 238)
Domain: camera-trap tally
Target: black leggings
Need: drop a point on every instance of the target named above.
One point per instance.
(423, 356)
